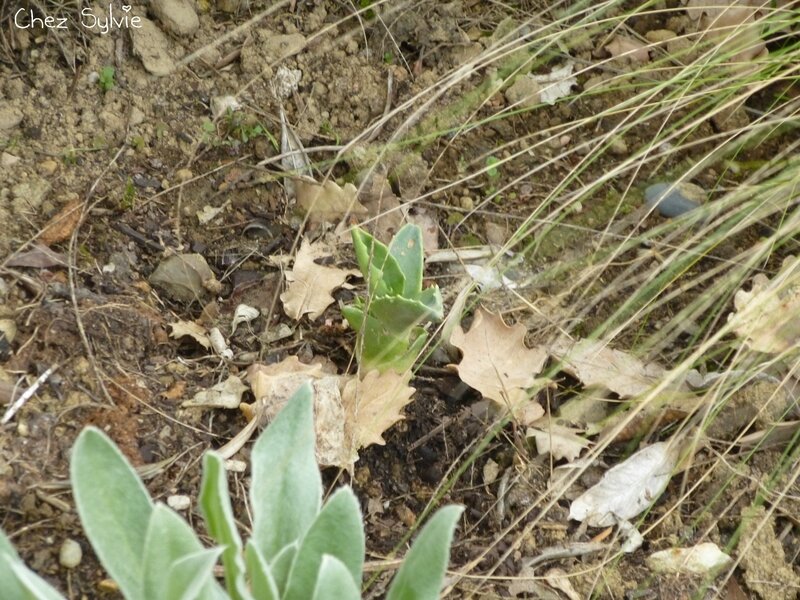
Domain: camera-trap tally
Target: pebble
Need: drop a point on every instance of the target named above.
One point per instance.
(524, 92)
(10, 116)
(151, 46)
(48, 167)
(179, 502)
(467, 203)
(8, 160)
(177, 16)
(671, 199)
(70, 554)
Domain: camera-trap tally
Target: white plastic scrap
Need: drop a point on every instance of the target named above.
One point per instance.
(220, 105)
(628, 488)
(698, 560)
(555, 84)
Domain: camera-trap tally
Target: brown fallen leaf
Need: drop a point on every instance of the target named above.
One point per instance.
(310, 284)
(384, 209)
(38, 257)
(191, 329)
(327, 202)
(375, 404)
(595, 364)
(734, 25)
(496, 362)
(61, 226)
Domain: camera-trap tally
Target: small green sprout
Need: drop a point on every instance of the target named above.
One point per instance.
(492, 172)
(107, 81)
(390, 320)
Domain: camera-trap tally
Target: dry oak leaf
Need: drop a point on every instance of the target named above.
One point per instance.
(310, 284)
(560, 442)
(766, 316)
(374, 404)
(595, 364)
(328, 201)
(496, 362)
(191, 329)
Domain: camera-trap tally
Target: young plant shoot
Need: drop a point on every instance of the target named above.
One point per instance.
(390, 320)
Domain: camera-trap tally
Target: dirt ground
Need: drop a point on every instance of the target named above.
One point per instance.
(110, 149)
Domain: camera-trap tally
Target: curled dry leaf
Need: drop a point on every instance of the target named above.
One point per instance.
(766, 316)
(628, 488)
(496, 362)
(310, 284)
(595, 364)
(243, 314)
(328, 201)
(559, 441)
(734, 25)
(61, 226)
(622, 46)
(225, 394)
(185, 277)
(191, 329)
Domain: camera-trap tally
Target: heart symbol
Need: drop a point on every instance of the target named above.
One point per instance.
(126, 8)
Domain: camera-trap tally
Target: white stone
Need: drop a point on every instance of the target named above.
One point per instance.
(70, 554)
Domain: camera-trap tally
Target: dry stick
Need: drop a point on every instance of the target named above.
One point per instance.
(27, 395)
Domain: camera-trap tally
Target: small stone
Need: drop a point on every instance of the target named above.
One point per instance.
(176, 16)
(8, 160)
(524, 92)
(70, 554)
(10, 116)
(151, 46)
(467, 203)
(278, 47)
(619, 147)
(179, 502)
(136, 117)
(48, 167)
(657, 36)
(673, 200)
(184, 175)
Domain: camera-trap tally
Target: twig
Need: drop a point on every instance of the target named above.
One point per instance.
(559, 552)
(26, 395)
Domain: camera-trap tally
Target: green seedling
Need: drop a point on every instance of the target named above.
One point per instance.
(492, 172)
(390, 320)
(107, 81)
(300, 548)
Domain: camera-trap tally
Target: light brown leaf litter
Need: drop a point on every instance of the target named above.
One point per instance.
(327, 202)
(595, 364)
(190, 329)
(349, 413)
(766, 316)
(374, 404)
(496, 362)
(310, 284)
(61, 226)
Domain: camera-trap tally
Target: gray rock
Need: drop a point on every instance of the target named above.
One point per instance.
(177, 16)
(8, 160)
(10, 116)
(672, 200)
(152, 47)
